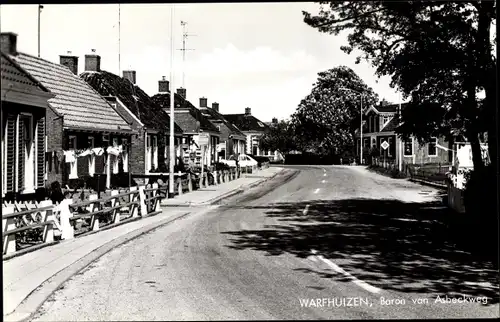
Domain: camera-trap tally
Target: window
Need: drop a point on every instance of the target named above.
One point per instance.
(366, 143)
(105, 140)
(154, 142)
(115, 142)
(432, 147)
(91, 145)
(125, 154)
(408, 147)
(72, 142)
(260, 124)
(73, 170)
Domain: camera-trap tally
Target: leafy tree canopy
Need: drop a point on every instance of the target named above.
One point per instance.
(438, 53)
(279, 137)
(326, 119)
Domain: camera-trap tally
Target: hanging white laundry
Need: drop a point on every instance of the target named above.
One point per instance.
(69, 156)
(85, 153)
(98, 151)
(113, 150)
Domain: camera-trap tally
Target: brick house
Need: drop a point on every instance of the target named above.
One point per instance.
(150, 145)
(232, 140)
(84, 132)
(24, 102)
(379, 125)
(192, 122)
(253, 129)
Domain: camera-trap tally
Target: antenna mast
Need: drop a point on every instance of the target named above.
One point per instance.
(119, 39)
(185, 35)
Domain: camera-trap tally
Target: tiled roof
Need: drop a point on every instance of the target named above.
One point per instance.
(81, 106)
(134, 98)
(186, 120)
(246, 122)
(213, 115)
(391, 126)
(393, 108)
(13, 73)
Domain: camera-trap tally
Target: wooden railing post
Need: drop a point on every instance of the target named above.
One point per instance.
(9, 241)
(215, 177)
(142, 199)
(114, 202)
(179, 185)
(201, 181)
(134, 209)
(68, 231)
(156, 201)
(48, 217)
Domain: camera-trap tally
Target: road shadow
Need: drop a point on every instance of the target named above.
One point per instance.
(405, 247)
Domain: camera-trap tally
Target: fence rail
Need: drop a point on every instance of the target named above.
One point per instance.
(434, 172)
(32, 224)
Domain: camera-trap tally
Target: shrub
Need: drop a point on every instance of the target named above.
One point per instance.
(480, 201)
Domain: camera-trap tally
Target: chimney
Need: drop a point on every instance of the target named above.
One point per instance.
(9, 43)
(248, 111)
(92, 63)
(215, 106)
(275, 120)
(130, 75)
(181, 92)
(164, 85)
(203, 102)
(70, 61)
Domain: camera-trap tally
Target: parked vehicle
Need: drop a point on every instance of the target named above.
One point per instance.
(243, 161)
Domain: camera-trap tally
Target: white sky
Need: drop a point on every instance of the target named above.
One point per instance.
(257, 55)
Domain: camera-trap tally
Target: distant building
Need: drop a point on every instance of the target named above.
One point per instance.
(253, 128)
(24, 102)
(379, 125)
(150, 146)
(232, 140)
(193, 124)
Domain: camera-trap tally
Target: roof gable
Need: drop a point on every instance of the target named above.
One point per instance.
(81, 106)
(132, 96)
(247, 122)
(12, 72)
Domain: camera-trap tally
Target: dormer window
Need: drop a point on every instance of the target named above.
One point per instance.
(260, 124)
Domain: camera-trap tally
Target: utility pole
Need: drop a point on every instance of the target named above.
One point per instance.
(40, 7)
(172, 102)
(185, 35)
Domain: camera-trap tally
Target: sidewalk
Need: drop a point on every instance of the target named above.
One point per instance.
(213, 194)
(31, 278)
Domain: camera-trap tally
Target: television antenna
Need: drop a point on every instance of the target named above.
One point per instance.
(185, 35)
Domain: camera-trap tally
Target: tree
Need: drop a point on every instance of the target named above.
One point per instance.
(438, 53)
(327, 118)
(279, 137)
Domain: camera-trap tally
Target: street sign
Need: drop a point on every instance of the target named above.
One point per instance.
(384, 145)
(203, 139)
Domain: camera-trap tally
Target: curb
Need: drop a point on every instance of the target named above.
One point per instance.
(239, 190)
(34, 301)
(428, 183)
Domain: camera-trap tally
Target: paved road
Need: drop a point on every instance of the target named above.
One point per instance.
(336, 235)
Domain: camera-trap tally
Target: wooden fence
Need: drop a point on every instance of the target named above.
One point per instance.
(430, 172)
(33, 224)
